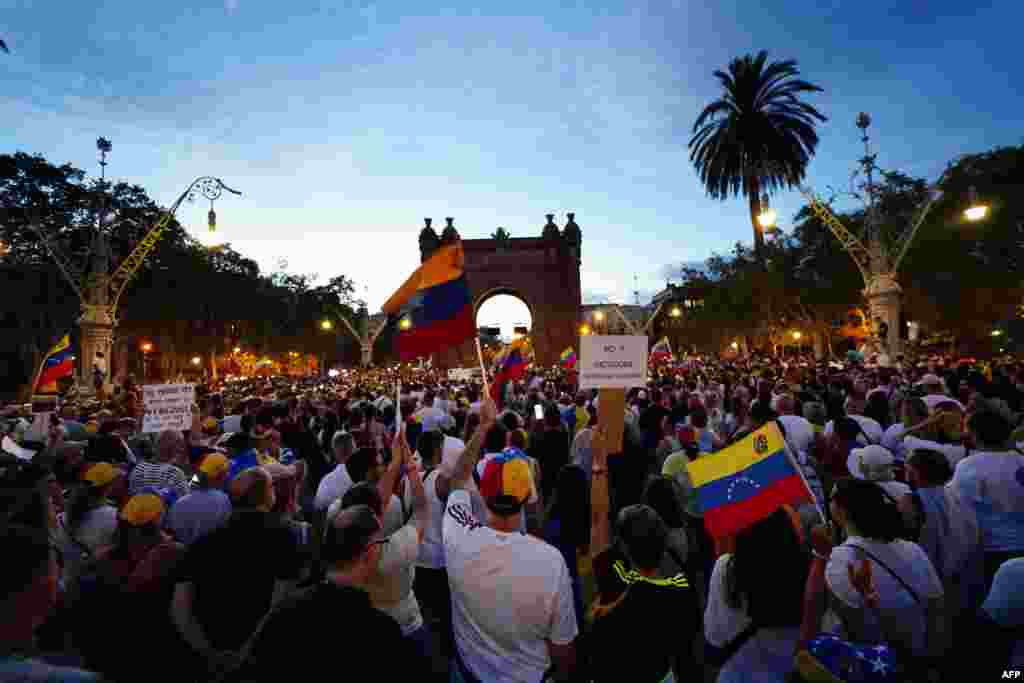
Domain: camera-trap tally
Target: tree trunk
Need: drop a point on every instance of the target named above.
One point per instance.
(755, 210)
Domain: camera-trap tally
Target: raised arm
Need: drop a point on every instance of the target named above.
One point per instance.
(386, 485)
(467, 461)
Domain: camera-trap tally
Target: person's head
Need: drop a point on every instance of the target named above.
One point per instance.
(28, 576)
(171, 447)
(213, 471)
(772, 590)
(365, 465)
(878, 408)
(140, 520)
(364, 493)
(552, 418)
(518, 439)
(642, 535)
(815, 413)
(472, 423)
(286, 480)
(506, 485)
(785, 405)
(699, 417)
(252, 490)
(429, 445)
(913, 411)
(847, 429)
(927, 468)
(342, 445)
(863, 508)
(664, 495)
(871, 463)
(495, 439)
(989, 427)
(932, 384)
(351, 543)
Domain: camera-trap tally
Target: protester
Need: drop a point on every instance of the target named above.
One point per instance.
(165, 471)
(207, 507)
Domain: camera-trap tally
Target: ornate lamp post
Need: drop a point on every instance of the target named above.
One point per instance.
(100, 290)
(878, 262)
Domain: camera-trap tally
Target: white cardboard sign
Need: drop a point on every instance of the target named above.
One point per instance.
(613, 361)
(167, 406)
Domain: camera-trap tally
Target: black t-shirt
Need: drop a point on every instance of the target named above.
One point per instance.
(233, 570)
(323, 626)
(641, 636)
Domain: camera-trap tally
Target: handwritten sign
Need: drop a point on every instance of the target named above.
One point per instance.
(167, 406)
(613, 361)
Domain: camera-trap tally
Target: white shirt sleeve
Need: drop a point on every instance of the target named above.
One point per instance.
(458, 518)
(401, 552)
(722, 622)
(563, 614)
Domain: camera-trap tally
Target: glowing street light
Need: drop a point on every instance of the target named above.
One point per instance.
(735, 346)
(584, 329)
(326, 325)
(996, 333)
(975, 210)
(237, 349)
(196, 360)
(766, 219)
(797, 334)
(405, 324)
(675, 312)
(147, 347)
(599, 316)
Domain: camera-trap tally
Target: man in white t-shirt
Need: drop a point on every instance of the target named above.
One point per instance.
(512, 601)
(431, 417)
(935, 392)
(333, 486)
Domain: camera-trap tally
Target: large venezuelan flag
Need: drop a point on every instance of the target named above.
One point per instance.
(57, 364)
(440, 308)
(746, 482)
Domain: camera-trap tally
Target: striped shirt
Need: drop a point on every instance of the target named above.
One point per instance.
(158, 475)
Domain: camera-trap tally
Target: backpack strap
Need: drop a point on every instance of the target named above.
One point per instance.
(883, 565)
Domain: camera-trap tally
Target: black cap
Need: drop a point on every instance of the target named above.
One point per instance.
(349, 533)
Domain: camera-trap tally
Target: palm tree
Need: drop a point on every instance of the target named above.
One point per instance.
(758, 136)
(3, 46)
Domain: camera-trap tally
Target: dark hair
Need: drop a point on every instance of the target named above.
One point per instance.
(494, 440)
(429, 446)
(699, 418)
(878, 409)
(510, 421)
(663, 495)
(347, 536)
(517, 439)
(360, 464)
(570, 505)
(643, 533)
(772, 591)
(847, 428)
(990, 427)
(26, 555)
(933, 465)
(363, 493)
(871, 510)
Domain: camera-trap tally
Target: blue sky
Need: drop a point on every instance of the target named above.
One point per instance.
(345, 123)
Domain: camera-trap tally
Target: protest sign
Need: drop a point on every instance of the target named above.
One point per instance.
(167, 406)
(613, 361)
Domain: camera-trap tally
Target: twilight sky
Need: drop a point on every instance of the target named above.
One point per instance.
(345, 123)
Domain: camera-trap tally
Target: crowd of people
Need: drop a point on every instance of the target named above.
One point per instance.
(396, 522)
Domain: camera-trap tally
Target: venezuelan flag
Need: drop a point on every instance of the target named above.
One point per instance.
(513, 366)
(746, 482)
(439, 305)
(568, 358)
(57, 364)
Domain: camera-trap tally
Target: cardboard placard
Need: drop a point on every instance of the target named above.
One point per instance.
(613, 361)
(611, 416)
(167, 406)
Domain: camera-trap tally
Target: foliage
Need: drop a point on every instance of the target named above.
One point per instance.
(187, 300)
(758, 136)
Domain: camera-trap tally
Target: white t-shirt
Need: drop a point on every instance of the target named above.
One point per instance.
(94, 531)
(511, 594)
(893, 440)
(433, 419)
(431, 550)
(954, 452)
(912, 565)
(799, 432)
(332, 487)
(390, 587)
(767, 656)
(871, 428)
(993, 483)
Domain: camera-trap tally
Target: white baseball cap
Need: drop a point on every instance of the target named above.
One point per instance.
(870, 463)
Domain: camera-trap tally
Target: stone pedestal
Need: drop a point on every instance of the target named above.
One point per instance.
(883, 294)
(97, 340)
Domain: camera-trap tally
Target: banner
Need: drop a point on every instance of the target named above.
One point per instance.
(167, 406)
(613, 361)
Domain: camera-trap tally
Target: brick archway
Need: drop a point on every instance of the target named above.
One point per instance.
(542, 271)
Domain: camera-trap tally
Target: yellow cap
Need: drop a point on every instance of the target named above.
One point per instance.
(145, 508)
(214, 464)
(101, 474)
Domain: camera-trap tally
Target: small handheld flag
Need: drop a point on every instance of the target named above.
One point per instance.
(57, 364)
(568, 358)
(662, 351)
(746, 482)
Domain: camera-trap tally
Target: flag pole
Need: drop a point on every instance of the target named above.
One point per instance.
(800, 471)
(398, 406)
(483, 369)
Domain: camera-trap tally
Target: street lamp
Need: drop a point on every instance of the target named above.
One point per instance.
(797, 334)
(584, 329)
(997, 333)
(735, 346)
(196, 360)
(147, 347)
(237, 349)
(405, 324)
(326, 325)
(675, 312)
(767, 217)
(975, 210)
(599, 316)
